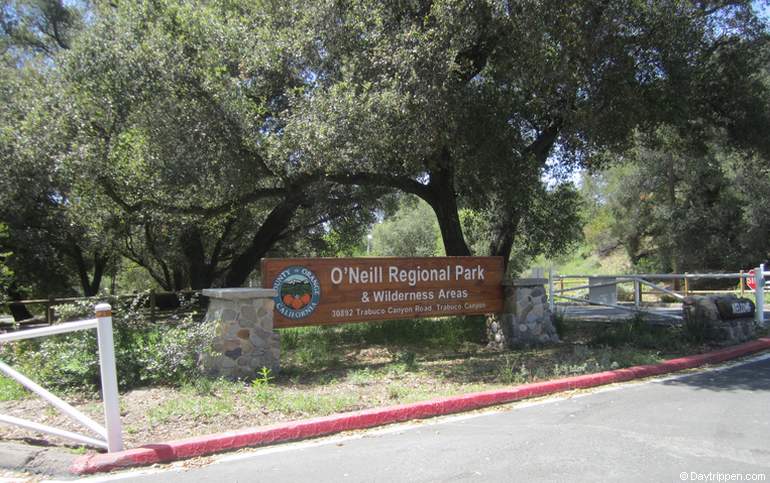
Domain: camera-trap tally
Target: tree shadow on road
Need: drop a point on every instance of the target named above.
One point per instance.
(754, 376)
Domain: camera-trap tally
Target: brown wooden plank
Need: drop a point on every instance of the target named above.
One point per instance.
(315, 291)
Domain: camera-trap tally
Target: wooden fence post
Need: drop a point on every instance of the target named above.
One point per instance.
(742, 283)
(551, 298)
(49, 310)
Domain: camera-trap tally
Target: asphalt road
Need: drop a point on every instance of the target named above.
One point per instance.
(713, 422)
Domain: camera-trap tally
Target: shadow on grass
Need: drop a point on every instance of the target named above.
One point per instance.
(457, 366)
(452, 350)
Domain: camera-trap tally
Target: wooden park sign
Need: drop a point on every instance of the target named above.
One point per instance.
(314, 291)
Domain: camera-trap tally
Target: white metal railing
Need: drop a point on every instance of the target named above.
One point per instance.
(615, 280)
(109, 436)
(640, 280)
(742, 276)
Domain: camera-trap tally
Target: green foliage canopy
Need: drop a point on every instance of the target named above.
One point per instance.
(473, 104)
(412, 231)
(194, 137)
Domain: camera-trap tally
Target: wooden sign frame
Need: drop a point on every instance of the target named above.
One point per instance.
(318, 291)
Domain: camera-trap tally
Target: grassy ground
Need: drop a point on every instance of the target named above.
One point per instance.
(337, 369)
(585, 260)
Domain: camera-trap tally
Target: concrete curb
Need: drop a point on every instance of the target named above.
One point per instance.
(315, 427)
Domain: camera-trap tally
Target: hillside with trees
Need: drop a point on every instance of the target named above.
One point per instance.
(671, 206)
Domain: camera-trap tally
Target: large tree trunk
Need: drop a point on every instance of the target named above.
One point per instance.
(195, 255)
(505, 228)
(503, 234)
(100, 264)
(268, 234)
(89, 285)
(178, 280)
(442, 198)
(439, 193)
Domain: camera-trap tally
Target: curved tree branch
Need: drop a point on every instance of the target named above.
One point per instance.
(403, 183)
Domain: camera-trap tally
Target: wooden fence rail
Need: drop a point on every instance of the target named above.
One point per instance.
(157, 305)
(681, 283)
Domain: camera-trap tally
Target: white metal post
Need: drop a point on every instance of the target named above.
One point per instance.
(109, 378)
(759, 294)
(551, 299)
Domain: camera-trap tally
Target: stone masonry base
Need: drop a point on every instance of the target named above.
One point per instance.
(526, 319)
(244, 340)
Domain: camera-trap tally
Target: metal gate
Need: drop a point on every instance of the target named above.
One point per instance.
(603, 298)
(108, 436)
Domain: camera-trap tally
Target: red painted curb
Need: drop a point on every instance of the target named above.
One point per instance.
(309, 428)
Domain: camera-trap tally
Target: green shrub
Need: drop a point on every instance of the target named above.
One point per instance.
(144, 354)
(11, 390)
(170, 353)
(319, 347)
(407, 359)
(316, 352)
(62, 361)
(124, 310)
(696, 330)
(361, 377)
(582, 360)
(560, 323)
(448, 332)
(640, 334)
(397, 391)
(513, 371)
(79, 310)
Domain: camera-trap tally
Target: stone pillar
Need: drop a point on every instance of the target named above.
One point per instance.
(244, 340)
(724, 320)
(526, 319)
